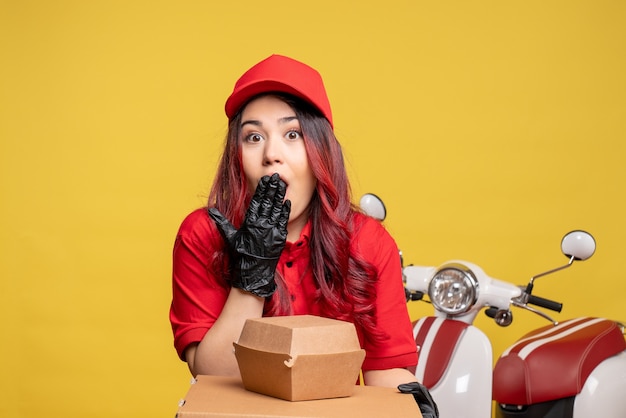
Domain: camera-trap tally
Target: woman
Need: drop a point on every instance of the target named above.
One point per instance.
(281, 237)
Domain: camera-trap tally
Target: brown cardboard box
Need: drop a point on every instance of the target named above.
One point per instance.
(300, 357)
(215, 396)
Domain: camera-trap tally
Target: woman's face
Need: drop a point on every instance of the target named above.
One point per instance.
(272, 142)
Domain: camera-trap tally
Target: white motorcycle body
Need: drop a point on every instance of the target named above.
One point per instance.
(603, 392)
(455, 358)
(455, 361)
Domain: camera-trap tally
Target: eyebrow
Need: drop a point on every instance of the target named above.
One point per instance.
(258, 123)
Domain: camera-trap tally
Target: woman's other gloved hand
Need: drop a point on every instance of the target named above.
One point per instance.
(256, 247)
(427, 405)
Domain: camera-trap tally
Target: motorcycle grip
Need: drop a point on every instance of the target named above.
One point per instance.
(545, 303)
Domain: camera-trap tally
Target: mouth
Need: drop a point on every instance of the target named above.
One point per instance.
(286, 182)
(280, 177)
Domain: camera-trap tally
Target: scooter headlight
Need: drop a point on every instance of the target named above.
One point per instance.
(453, 289)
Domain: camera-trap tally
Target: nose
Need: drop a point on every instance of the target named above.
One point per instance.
(272, 153)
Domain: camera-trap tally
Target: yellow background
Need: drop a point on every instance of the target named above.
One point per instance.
(490, 128)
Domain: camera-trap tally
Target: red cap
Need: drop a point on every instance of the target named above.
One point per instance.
(282, 74)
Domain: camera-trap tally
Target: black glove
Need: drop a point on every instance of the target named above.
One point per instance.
(422, 396)
(256, 247)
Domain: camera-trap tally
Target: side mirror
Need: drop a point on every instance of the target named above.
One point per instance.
(578, 244)
(373, 206)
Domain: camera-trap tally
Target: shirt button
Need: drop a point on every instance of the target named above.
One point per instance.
(289, 263)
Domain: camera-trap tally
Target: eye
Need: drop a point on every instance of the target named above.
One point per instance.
(293, 135)
(253, 138)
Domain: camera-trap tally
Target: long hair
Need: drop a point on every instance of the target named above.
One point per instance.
(344, 279)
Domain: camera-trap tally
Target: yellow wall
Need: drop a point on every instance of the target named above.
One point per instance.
(490, 128)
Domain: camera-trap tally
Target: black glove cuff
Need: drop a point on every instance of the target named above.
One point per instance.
(422, 396)
(264, 290)
(254, 277)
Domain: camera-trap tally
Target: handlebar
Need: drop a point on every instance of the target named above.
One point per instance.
(545, 303)
(504, 317)
(412, 295)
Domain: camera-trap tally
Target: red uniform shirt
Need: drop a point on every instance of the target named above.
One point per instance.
(198, 297)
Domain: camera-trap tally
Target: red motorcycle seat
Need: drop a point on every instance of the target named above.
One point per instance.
(554, 362)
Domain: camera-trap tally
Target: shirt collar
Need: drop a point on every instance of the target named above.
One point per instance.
(304, 236)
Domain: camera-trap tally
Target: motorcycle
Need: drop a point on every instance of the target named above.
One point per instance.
(575, 368)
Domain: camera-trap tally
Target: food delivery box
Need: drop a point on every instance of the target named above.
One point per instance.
(300, 357)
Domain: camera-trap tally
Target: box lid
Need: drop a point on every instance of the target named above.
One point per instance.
(299, 334)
